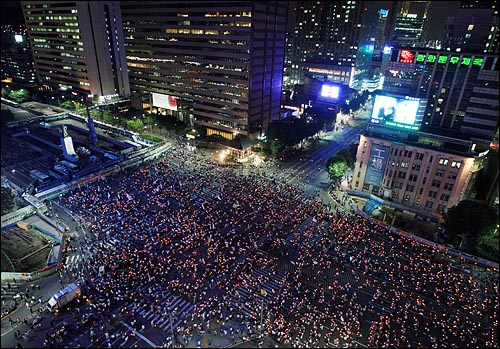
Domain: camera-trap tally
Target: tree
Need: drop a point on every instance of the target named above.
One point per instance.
(6, 91)
(469, 222)
(7, 200)
(487, 246)
(108, 117)
(336, 168)
(348, 155)
(135, 125)
(19, 96)
(68, 105)
(276, 146)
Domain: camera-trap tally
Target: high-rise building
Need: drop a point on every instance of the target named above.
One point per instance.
(461, 89)
(17, 60)
(325, 41)
(78, 47)
(216, 66)
(474, 28)
(411, 24)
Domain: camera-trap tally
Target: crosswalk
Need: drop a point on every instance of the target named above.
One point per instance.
(212, 283)
(168, 313)
(73, 260)
(247, 300)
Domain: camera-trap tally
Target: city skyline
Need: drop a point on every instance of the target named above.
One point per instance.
(12, 13)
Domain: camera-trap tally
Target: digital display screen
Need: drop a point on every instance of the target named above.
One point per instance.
(18, 38)
(164, 101)
(400, 112)
(330, 91)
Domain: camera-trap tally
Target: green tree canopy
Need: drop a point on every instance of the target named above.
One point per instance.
(276, 146)
(135, 125)
(468, 222)
(336, 169)
(19, 96)
(108, 118)
(7, 200)
(348, 155)
(68, 105)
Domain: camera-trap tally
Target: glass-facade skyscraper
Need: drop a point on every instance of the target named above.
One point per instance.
(325, 41)
(78, 46)
(219, 68)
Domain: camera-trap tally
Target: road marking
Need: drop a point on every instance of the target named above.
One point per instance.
(147, 340)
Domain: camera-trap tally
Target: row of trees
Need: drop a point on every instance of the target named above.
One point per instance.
(337, 166)
(472, 226)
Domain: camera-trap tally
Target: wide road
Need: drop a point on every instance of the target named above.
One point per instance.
(310, 168)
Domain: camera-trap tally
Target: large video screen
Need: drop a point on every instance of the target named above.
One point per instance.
(330, 91)
(400, 112)
(164, 101)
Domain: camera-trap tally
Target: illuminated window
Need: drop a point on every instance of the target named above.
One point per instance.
(470, 27)
(456, 164)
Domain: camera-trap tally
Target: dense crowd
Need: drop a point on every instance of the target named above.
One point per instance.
(181, 226)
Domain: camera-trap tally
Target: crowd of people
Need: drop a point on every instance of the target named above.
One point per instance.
(181, 226)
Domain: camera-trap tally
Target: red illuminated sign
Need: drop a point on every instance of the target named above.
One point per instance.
(406, 56)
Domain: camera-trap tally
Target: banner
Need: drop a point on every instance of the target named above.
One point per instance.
(376, 165)
(164, 101)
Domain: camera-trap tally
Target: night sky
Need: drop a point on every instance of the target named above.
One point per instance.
(12, 14)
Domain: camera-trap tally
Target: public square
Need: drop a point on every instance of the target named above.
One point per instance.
(190, 253)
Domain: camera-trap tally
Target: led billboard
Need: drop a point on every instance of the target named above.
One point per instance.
(164, 101)
(330, 91)
(406, 56)
(400, 112)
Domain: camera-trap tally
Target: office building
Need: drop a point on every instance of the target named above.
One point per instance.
(78, 47)
(461, 90)
(326, 39)
(474, 28)
(17, 60)
(216, 66)
(411, 24)
(424, 173)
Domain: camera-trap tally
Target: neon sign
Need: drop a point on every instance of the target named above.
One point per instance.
(443, 59)
(406, 56)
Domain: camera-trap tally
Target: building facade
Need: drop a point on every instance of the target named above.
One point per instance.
(78, 47)
(17, 60)
(474, 28)
(325, 40)
(219, 68)
(419, 174)
(410, 28)
(461, 89)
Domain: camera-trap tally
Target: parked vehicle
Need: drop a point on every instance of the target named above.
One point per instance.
(64, 297)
